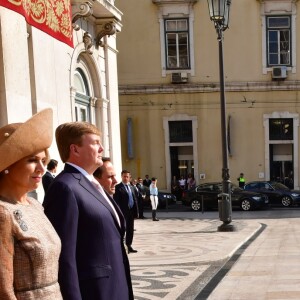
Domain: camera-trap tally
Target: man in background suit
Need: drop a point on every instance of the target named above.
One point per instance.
(142, 196)
(106, 176)
(147, 181)
(125, 198)
(93, 259)
(49, 175)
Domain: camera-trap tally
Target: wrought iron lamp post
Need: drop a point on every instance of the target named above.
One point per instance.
(219, 14)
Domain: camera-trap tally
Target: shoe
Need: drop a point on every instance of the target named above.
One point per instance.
(131, 250)
(155, 219)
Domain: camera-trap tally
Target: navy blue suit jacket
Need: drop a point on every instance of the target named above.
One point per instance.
(47, 179)
(122, 199)
(93, 264)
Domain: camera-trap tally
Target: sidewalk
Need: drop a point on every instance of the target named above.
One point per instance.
(269, 268)
(177, 257)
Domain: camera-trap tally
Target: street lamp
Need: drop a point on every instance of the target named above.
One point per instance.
(219, 14)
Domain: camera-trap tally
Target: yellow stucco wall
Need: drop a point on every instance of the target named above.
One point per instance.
(147, 96)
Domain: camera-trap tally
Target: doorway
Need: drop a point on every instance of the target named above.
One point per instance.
(281, 146)
(281, 164)
(182, 161)
(182, 167)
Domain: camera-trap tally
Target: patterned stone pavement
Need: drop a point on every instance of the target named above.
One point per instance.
(178, 256)
(270, 268)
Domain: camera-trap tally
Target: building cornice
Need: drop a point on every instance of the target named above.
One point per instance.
(253, 86)
(161, 2)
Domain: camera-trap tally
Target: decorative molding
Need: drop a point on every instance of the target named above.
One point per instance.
(93, 101)
(101, 102)
(159, 2)
(80, 10)
(88, 43)
(108, 28)
(209, 87)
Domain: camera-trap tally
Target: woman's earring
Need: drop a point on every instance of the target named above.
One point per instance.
(6, 171)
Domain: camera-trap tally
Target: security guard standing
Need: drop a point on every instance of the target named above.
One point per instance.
(241, 180)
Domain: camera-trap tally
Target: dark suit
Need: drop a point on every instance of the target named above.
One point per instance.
(147, 182)
(47, 179)
(141, 195)
(122, 199)
(93, 264)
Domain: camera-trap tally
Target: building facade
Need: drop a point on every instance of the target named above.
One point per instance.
(169, 90)
(79, 83)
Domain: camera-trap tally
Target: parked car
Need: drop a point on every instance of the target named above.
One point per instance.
(209, 194)
(278, 193)
(163, 199)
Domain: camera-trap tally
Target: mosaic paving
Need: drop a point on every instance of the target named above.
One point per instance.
(177, 257)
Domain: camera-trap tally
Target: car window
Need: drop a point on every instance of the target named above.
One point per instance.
(201, 188)
(235, 188)
(208, 188)
(266, 186)
(251, 186)
(279, 186)
(205, 187)
(217, 187)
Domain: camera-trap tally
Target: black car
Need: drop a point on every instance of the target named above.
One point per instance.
(278, 193)
(164, 198)
(208, 194)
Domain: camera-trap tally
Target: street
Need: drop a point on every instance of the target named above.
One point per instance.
(184, 256)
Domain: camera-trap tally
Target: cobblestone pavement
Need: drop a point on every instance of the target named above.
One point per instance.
(178, 256)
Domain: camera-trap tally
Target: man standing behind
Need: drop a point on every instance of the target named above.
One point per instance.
(48, 177)
(147, 181)
(127, 202)
(142, 196)
(106, 176)
(93, 258)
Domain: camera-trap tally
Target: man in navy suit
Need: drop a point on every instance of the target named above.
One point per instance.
(125, 198)
(48, 177)
(106, 176)
(93, 264)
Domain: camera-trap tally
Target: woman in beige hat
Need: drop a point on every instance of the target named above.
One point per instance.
(29, 246)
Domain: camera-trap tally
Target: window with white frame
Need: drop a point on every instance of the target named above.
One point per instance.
(177, 44)
(278, 40)
(82, 97)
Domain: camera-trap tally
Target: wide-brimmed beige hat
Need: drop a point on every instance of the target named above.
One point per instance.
(19, 140)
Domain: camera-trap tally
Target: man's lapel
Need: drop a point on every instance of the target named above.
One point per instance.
(88, 186)
(118, 210)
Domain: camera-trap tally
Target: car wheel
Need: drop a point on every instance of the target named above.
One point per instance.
(195, 205)
(246, 205)
(286, 201)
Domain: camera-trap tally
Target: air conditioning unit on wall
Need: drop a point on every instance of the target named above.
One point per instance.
(179, 77)
(279, 73)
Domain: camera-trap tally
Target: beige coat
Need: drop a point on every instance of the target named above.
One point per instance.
(29, 253)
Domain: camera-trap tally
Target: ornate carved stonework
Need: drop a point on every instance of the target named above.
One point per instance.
(93, 102)
(81, 10)
(88, 42)
(108, 28)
